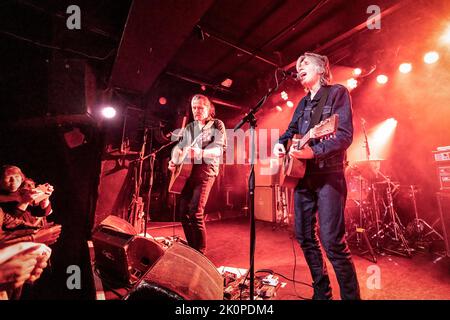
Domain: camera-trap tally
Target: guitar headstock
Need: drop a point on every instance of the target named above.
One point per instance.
(325, 128)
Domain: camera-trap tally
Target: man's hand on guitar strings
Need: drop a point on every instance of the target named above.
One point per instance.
(278, 150)
(305, 153)
(195, 152)
(171, 166)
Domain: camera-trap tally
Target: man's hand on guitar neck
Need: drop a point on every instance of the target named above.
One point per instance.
(304, 153)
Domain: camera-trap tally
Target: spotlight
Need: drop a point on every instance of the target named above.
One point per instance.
(382, 79)
(109, 112)
(405, 67)
(203, 87)
(445, 38)
(279, 109)
(431, 57)
(162, 101)
(290, 104)
(352, 83)
(227, 83)
(357, 71)
(284, 95)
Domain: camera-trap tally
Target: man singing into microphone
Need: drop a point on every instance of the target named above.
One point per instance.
(323, 189)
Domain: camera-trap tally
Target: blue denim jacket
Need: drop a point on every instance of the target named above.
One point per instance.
(329, 154)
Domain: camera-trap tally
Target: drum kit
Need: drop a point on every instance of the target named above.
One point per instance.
(372, 221)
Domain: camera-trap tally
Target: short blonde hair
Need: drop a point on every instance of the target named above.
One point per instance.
(322, 66)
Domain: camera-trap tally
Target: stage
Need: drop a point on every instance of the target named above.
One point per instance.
(424, 276)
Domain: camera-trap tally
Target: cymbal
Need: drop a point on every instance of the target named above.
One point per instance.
(370, 160)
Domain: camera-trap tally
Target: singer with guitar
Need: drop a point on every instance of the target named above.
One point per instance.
(200, 149)
(322, 191)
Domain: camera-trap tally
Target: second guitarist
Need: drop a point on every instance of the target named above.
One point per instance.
(205, 155)
(323, 189)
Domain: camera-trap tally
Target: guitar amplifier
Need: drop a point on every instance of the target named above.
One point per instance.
(443, 199)
(444, 177)
(265, 204)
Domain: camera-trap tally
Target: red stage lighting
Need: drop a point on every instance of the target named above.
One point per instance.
(431, 57)
(357, 71)
(382, 79)
(108, 112)
(405, 67)
(162, 101)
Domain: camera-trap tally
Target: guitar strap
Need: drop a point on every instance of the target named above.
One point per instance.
(205, 127)
(317, 111)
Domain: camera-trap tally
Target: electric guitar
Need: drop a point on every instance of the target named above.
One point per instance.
(183, 166)
(294, 169)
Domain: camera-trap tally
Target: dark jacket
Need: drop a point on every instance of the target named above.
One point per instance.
(329, 154)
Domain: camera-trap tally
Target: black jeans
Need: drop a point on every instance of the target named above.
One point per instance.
(192, 206)
(325, 194)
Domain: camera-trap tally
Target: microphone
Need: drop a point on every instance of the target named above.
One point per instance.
(290, 74)
(178, 133)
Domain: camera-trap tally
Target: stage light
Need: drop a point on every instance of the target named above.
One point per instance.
(405, 67)
(109, 112)
(203, 87)
(445, 38)
(357, 71)
(284, 95)
(227, 83)
(162, 101)
(382, 79)
(352, 83)
(290, 104)
(381, 138)
(279, 109)
(431, 57)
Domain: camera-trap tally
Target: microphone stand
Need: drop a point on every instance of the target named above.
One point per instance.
(366, 142)
(251, 119)
(152, 157)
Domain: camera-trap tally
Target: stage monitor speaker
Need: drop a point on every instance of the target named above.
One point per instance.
(182, 273)
(265, 204)
(118, 224)
(71, 87)
(123, 257)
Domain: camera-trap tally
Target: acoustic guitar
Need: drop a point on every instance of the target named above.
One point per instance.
(294, 169)
(183, 168)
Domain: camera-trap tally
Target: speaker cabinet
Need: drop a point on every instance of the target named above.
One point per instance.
(120, 256)
(265, 204)
(182, 273)
(444, 211)
(118, 224)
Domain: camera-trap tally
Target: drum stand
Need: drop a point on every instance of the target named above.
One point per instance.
(393, 228)
(360, 232)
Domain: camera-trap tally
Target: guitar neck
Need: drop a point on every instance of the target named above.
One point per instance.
(304, 140)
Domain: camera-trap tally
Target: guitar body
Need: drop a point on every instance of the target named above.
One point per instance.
(293, 170)
(179, 177)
